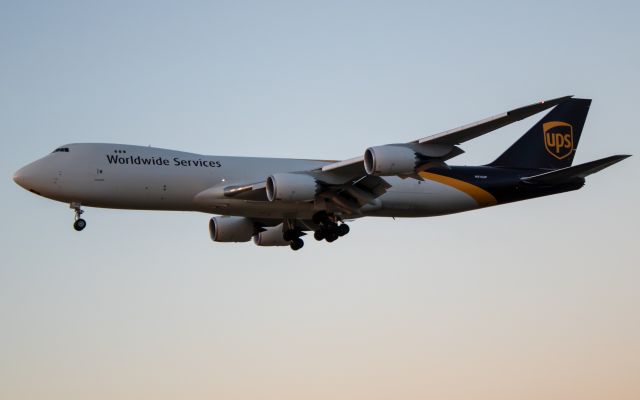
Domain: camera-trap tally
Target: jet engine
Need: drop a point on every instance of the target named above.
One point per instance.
(390, 160)
(231, 229)
(271, 236)
(399, 159)
(291, 187)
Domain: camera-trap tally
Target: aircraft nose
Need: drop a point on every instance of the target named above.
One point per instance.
(27, 176)
(19, 177)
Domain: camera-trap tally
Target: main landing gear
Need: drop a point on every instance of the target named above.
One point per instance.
(293, 237)
(329, 229)
(79, 223)
(296, 244)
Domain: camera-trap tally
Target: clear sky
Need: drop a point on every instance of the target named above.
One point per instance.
(538, 299)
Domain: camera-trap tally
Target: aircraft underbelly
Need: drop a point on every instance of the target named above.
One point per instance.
(424, 198)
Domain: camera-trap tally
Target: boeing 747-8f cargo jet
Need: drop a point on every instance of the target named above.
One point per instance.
(275, 201)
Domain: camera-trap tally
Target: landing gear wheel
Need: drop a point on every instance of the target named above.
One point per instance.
(343, 229)
(319, 235)
(296, 244)
(79, 224)
(332, 236)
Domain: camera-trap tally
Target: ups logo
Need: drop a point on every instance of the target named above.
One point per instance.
(558, 138)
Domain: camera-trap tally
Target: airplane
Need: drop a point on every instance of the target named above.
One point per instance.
(275, 201)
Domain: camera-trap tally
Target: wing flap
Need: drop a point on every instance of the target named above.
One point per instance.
(351, 197)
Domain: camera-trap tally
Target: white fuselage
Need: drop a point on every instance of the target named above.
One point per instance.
(147, 178)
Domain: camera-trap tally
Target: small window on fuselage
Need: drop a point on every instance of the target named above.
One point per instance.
(61, 149)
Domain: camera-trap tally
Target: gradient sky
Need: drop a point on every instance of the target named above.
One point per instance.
(538, 299)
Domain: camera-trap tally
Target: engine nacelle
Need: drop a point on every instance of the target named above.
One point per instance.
(231, 229)
(390, 160)
(271, 236)
(291, 187)
(402, 159)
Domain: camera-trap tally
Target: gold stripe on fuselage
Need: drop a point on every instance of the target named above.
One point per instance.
(481, 196)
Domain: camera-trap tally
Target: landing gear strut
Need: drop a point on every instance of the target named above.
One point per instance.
(79, 223)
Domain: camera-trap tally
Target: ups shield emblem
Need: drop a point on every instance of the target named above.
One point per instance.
(558, 138)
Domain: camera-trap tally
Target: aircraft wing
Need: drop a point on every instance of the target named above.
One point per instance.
(345, 193)
(349, 187)
(475, 129)
(456, 136)
(253, 191)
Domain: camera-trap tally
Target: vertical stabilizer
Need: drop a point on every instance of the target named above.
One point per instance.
(552, 142)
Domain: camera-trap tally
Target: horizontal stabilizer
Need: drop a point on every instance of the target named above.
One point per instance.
(576, 171)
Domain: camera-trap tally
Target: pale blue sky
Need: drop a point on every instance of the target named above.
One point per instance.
(528, 300)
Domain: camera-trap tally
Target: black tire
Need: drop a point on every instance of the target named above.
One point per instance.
(79, 225)
(289, 235)
(343, 229)
(332, 236)
(296, 244)
(319, 235)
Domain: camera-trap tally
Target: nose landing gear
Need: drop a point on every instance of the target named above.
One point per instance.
(79, 223)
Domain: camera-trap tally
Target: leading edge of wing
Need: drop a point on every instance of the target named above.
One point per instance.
(355, 166)
(355, 163)
(471, 131)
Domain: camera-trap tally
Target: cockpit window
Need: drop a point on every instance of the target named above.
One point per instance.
(61, 149)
